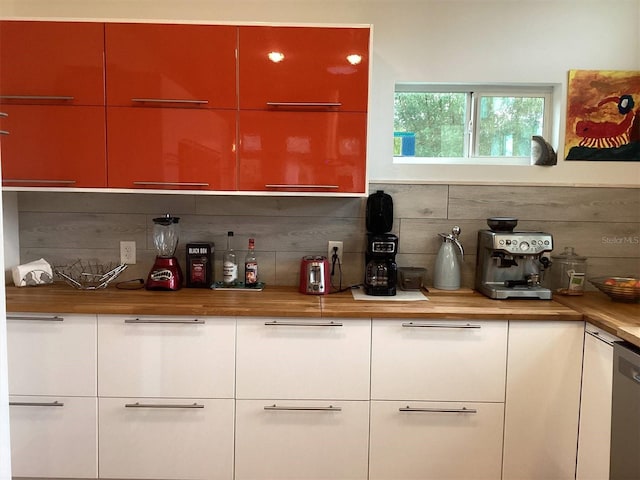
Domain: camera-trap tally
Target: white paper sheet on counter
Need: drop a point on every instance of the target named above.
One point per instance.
(400, 296)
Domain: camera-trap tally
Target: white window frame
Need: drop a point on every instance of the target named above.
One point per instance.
(477, 91)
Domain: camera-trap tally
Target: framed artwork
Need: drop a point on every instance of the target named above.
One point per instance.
(603, 115)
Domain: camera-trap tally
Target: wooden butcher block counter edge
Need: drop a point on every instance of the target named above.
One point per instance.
(277, 302)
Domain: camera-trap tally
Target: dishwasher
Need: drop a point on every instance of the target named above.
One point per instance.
(625, 413)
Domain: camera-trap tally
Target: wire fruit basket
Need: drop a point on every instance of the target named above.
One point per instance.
(619, 289)
(89, 275)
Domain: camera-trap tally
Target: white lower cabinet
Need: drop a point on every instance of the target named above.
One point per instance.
(438, 360)
(303, 358)
(436, 440)
(159, 438)
(162, 356)
(437, 399)
(54, 437)
(301, 440)
(594, 439)
(542, 400)
(52, 388)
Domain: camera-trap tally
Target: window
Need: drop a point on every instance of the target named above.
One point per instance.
(468, 124)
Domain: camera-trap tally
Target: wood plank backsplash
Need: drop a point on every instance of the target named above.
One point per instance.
(603, 224)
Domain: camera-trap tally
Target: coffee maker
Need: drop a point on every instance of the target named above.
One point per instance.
(166, 273)
(381, 270)
(511, 264)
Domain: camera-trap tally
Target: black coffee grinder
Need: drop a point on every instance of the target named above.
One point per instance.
(381, 270)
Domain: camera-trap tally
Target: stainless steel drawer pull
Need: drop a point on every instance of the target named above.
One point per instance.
(65, 98)
(36, 404)
(173, 184)
(38, 180)
(439, 325)
(330, 408)
(304, 104)
(438, 410)
(186, 321)
(276, 323)
(160, 405)
(35, 319)
(288, 185)
(4, 114)
(170, 100)
(4, 132)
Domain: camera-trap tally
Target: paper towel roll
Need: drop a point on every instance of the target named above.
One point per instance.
(38, 272)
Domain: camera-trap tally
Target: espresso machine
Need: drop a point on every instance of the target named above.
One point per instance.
(166, 273)
(511, 264)
(381, 270)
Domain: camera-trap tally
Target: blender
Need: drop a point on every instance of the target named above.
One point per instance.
(165, 273)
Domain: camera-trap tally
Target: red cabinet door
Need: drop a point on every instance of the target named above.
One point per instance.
(302, 151)
(153, 64)
(53, 146)
(171, 148)
(307, 65)
(61, 61)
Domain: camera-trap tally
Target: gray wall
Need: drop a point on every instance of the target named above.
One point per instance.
(601, 223)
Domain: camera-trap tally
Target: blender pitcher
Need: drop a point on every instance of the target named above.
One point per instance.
(166, 273)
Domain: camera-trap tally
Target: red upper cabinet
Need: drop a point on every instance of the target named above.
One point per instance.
(171, 65)
(309, 67)
(53, 146)
(303, 152)
(171, 148)
(52, 62)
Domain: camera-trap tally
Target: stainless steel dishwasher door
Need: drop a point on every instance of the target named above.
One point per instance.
(625, 413)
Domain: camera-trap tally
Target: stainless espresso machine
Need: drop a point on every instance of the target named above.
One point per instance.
(511, 264)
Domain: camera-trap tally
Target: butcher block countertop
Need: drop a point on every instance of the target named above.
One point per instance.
(620, 319)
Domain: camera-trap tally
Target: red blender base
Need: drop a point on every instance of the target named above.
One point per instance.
(165, 275)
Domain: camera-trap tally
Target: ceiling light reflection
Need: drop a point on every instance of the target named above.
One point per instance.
(276, 57)
(354, 59)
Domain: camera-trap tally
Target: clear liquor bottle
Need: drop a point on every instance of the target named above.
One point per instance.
(251, 266)
(230, 264)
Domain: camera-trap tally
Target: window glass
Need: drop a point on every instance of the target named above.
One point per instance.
(473, 123)
(506, 124)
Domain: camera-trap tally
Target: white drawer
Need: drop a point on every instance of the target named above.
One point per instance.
(428, 440)
(302, 440)
(303, 358)
(166, 439)
(166, 356)
(51, 354)
(438, 360)
(54, 437)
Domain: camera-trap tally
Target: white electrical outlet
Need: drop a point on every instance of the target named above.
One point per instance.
(339, 252)
(128, 252)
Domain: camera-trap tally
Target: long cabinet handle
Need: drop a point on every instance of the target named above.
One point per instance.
(438, 410)
(4, 132)
(439, 325)
(36, 404)
(186, 321)
(305, 104)
(170, 100)
(330, 408)
(35, 319)
(4, 114)
(65, 98)
(276, 323)
(38, 180)
(173, 184)
(291, 185)
(165, 405)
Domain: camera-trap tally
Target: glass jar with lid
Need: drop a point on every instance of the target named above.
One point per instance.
(567, 273)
